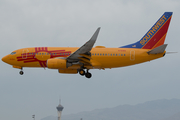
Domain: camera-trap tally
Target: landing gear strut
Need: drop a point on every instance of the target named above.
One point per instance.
(21, 72)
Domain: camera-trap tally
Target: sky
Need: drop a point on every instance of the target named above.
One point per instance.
(68, 23)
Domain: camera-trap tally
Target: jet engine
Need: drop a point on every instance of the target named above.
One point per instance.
(57, 64)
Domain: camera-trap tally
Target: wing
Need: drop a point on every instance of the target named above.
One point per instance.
(83, 53)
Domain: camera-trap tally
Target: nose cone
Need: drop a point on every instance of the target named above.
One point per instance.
(4, 59)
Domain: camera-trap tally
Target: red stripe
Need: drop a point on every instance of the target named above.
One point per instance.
(35, 49)
(57, 51)
(41, 64)
(162, 31)
(44, 64)
(30, 61)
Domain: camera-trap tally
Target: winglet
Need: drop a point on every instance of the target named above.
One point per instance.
(85, 49)
(158, 50)
(95, 35)
(89, 44)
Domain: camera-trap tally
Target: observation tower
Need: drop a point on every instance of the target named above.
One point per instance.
(59, 110)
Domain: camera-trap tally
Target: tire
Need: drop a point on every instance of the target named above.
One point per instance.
(21, 72)
(82, 72)
(88, 75)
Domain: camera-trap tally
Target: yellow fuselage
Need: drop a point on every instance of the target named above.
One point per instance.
(101, 58)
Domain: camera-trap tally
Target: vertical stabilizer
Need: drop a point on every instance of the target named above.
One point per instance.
(155, 37)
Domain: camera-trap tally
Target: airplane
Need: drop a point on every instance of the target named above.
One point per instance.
(73, 60)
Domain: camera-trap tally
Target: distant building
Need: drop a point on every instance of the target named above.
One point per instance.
(59, 110)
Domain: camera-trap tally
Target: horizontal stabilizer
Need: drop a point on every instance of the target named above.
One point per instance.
(158, 50)
(171, 52)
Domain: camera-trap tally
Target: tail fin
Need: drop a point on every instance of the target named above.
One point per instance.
(155, 36)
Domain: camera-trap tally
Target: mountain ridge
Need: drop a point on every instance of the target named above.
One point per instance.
(162, 109)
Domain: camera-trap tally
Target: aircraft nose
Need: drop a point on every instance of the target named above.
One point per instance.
(4, 59)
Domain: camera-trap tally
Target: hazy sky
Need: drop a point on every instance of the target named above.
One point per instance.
(63, 23)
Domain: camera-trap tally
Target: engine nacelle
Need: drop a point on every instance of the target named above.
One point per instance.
(57, 63)
(68, 71)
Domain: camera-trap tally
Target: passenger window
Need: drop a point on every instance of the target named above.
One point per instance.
(124, 54)
(42, 53)
(105, 54)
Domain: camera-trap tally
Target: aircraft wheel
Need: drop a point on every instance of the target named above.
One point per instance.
(21, 72)
(88, 75)
(82, 72)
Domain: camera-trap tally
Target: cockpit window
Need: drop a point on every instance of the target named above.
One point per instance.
(13, 53)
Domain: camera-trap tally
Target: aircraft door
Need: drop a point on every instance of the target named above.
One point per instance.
(24, 53)
(132, 55)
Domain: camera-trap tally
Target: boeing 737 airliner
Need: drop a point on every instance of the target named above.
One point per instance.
(80, 60)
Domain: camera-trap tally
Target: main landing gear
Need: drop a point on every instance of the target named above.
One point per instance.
(21, 72)
(87, 73)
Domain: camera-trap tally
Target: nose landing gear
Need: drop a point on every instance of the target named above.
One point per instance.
(21, 72)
